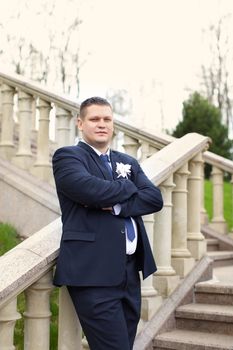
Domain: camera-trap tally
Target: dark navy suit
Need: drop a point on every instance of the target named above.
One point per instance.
(93, 244)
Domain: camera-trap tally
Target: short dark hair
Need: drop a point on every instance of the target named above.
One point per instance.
(92, 101)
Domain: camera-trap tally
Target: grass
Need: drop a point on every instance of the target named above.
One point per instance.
(8, 240)
(228, 201)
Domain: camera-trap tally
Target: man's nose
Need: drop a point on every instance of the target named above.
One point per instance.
(101, 123)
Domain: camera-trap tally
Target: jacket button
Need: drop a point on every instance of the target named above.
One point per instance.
(122, 230)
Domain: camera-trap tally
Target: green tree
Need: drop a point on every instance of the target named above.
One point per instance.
(200, 116)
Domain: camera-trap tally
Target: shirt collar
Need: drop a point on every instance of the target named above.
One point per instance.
(96, 150)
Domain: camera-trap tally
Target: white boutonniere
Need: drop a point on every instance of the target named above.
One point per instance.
(123, 170)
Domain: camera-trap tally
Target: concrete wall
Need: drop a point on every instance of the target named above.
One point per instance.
(25, 202)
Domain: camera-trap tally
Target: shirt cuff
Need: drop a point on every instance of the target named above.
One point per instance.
(116, 209)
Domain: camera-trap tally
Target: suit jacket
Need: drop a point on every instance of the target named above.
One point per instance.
(93, 244)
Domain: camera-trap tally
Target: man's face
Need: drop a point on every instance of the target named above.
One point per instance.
(97, 126)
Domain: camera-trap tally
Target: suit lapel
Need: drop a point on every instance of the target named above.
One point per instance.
(114, 159)
(96, 159)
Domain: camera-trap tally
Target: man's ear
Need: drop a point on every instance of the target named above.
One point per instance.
(79, 123)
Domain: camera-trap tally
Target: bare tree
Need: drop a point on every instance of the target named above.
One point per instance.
(119, 100)
(56, 58)
(216, 75)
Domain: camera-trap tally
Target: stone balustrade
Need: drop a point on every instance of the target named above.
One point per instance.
(28, 113)
(220, 166)
(28, 269)
(26, 106)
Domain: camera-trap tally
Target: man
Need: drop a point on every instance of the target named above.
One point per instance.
(102, 194)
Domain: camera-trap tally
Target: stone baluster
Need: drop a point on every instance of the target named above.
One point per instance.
(146, 150)
(196, 241)
(73, 129)
(70, 332)
(63, 119)
(150, 298)
(218, 222)
(232, 202)
(42, 166)
(204, 215)
(37, 314)
(182, 260)
(0, 106)
(8, 317)
(33, 115)
(85, 345)
(7, 147)
(115, 139)
(165, 278)
(131, 145)
(23, 157)
(34, 124)
(78, 134)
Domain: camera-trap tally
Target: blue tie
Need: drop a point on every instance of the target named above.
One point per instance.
(130, 229)
(106, 160)
(128, 221)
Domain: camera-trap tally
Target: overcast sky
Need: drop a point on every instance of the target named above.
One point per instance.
(151, 48)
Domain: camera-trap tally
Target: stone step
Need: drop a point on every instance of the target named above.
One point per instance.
(214, 292)
(221, 258)
(212, 244)
(205, 318)
(190, 340)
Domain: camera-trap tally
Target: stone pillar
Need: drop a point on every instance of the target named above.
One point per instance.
(42, 166)
(0, 106)
(196, 241)
(150, 298)
(63, 119)
(85, 345)
(37, 314)
(204, 215)
(218, 222)
(69, 332)
(165, 278)
(146, 150)
(182, 260)
(232, 203)
(7, 147)
(34, 126)
(131, 146)
(114, 139)
(8, 317)
(73, 129)
(33, 115)
(23, 157)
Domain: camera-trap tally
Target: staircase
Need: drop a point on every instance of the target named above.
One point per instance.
(173, 299)
(207, 322)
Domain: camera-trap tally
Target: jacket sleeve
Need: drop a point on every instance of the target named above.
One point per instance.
(74, 181)
(146, 200)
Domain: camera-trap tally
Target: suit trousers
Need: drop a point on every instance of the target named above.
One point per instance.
(109, 315)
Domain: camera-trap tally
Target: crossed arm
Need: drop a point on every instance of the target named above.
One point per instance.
(74, 181)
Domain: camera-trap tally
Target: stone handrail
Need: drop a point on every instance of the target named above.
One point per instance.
(28, 261)
(218, 161)
(35, 89)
